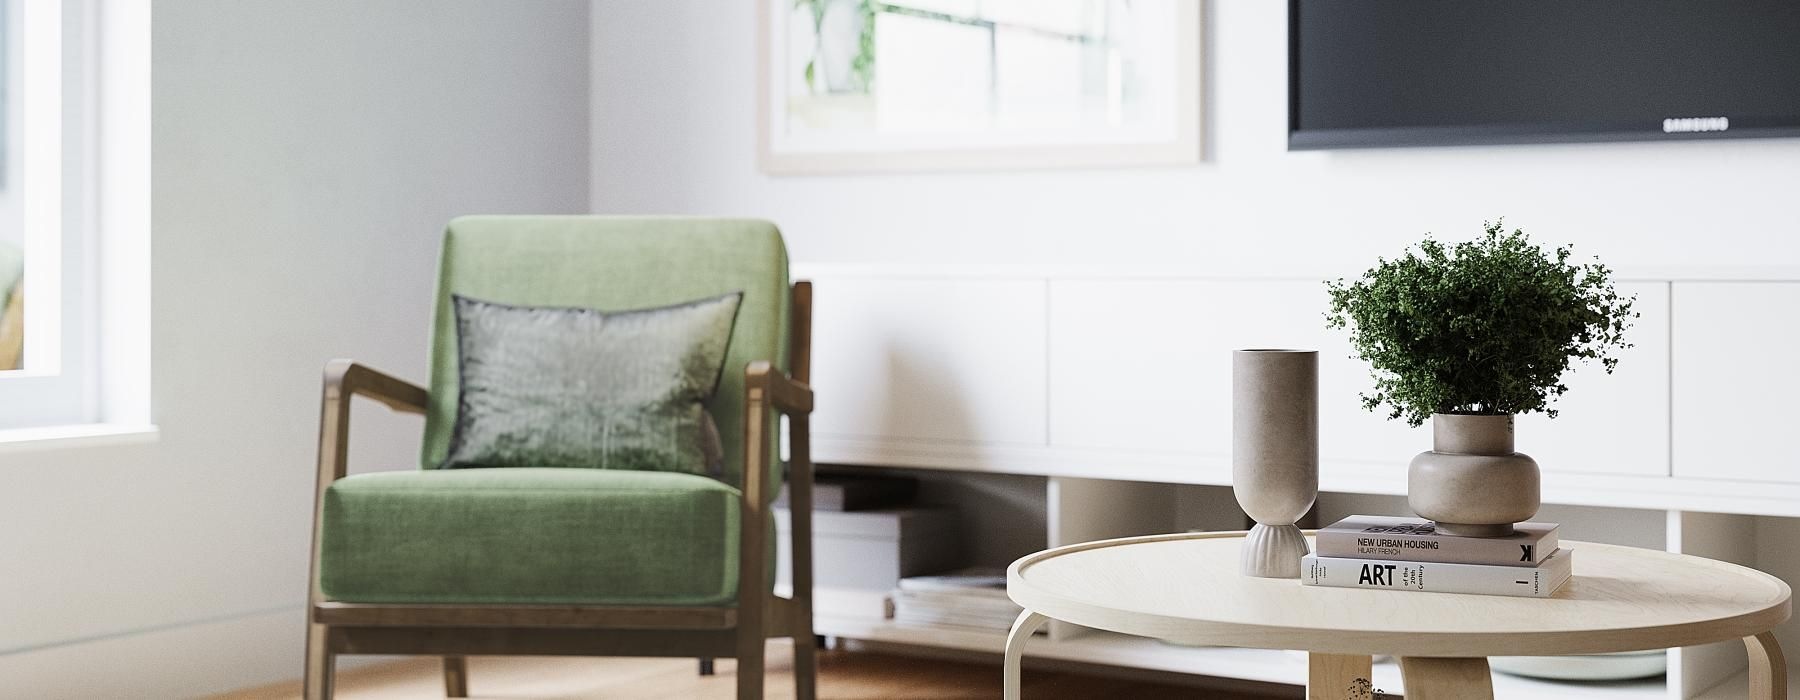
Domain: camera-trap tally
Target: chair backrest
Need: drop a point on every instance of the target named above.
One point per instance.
(616, 263)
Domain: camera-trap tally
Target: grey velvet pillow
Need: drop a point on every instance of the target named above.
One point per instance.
(571, 387)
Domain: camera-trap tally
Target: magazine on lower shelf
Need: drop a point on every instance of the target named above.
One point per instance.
(971, 598)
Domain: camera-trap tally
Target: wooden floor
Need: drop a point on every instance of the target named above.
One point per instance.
(842, 675)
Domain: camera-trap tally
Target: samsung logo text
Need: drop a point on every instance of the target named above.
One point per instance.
(1688, 125)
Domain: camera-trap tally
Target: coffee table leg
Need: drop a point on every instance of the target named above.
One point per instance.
(1432, 678)
(1338, 676)
(1022, 629)
(1768, 668)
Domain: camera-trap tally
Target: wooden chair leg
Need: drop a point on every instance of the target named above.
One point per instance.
(806, 667)
(320, 664)
(456, 677)
(1768, 667)
(706, 666)
(750, 668)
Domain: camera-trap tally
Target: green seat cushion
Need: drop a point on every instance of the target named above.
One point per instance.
(530, 535)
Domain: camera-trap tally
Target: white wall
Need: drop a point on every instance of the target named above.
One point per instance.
(12, 229)
(673, 132)
(307, 154)
(673, 100)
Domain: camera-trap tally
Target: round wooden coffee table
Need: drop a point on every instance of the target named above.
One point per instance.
(1186, 588)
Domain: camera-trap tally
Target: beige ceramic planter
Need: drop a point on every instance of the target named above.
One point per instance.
(1472, 483)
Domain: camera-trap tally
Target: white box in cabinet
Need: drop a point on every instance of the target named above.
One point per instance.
(1736, 375)
(872, 549)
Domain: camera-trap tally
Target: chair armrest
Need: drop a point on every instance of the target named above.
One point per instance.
(346, 378)
(343, 380)
(785, 394)
(770, 391)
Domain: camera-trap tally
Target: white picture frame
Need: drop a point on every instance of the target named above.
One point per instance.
(1164, 130)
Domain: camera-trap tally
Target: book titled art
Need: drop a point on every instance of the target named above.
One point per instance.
(1481, 579)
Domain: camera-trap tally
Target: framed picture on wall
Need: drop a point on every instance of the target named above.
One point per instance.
(871, 86)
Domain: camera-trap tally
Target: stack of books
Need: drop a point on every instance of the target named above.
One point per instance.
(973, 598)
(1406, 554)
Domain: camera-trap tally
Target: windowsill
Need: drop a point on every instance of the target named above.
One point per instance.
(67, 436)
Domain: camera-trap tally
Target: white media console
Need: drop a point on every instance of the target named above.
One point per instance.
(1093, 403)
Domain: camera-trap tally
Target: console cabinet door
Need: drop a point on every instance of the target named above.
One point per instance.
(929, 360)
(1737, 373)
(1614, 423)
(1146, 365)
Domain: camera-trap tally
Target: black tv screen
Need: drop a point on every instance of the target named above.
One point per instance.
(1441, 72)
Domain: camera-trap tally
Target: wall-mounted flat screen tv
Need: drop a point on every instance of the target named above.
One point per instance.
(1442, 72)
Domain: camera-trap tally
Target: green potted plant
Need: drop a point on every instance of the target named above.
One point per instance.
(1470, 335)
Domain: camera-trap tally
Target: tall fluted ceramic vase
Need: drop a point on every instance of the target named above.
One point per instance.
(1274, 454)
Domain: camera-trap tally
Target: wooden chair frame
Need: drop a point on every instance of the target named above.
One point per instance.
(455, 631)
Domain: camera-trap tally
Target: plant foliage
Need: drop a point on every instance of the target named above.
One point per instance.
(862, 65)
(1486, 326)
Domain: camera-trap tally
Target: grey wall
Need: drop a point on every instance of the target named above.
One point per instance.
(307, 154)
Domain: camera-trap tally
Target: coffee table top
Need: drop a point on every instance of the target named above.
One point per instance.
(1186, 588)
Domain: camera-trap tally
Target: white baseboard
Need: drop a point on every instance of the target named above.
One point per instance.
(199, 659)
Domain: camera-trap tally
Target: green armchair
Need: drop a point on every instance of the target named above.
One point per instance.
(536, 561)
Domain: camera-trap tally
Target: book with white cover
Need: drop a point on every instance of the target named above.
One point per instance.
(958, 621)
(953, 602)
(1482, 579)
(913, 609)
(985, 581)
(972, 597)
(1414, 539)
(911, 612)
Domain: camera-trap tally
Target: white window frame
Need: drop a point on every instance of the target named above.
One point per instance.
(87, 372)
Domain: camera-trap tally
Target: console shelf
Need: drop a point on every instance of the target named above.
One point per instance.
(1259, 665)
(1065, 510)
(1052, 405)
